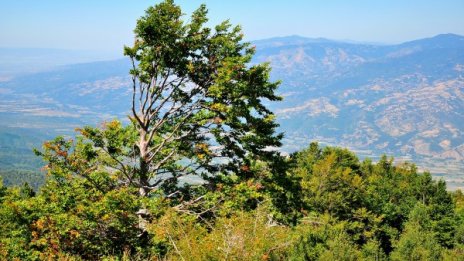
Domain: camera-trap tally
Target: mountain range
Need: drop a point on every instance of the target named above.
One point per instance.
(405, 100)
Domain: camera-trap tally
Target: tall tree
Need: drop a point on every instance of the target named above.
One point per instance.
(197, 109)
(197, 104)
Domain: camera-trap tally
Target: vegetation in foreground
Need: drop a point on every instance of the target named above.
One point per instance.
(326, 205)
(195, 176)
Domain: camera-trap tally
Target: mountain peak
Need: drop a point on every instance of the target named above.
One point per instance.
(440, 40)
(448, 40)
(448, 36)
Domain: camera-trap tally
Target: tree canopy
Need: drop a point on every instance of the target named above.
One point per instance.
(196, 99)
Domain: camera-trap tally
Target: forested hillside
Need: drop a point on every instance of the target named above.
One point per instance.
(195, 172)
(321, 204)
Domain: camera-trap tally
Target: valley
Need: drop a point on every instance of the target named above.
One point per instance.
(405, 100)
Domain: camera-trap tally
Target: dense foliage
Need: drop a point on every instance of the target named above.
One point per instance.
(337, 208)
(199, 180)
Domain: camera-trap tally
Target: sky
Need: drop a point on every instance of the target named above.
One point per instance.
(108, 24)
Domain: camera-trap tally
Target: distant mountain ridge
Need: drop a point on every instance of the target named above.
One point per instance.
(405, 100)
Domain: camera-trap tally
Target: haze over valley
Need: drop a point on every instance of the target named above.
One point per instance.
(405, 100)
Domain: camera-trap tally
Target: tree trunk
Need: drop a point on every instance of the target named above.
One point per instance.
(143, 213)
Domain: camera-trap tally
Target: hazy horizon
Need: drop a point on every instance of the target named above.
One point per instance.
(107, 25)
(355, 41)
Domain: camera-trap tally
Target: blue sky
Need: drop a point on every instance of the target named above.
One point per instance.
(108, 24)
